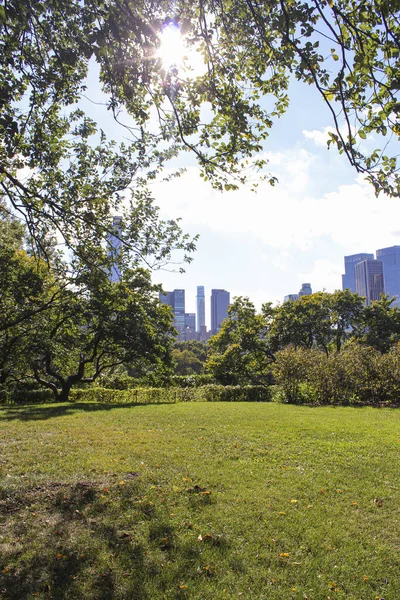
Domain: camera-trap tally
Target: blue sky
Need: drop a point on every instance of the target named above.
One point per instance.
(265, 245)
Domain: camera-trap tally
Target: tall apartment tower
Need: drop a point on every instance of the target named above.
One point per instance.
(369, 280)
(201, 309)
(176, 300)
(114, 244)
(349, 279)
(291, 298)
(190, 326)
(220, 300)
(390, 258)
(305, 290)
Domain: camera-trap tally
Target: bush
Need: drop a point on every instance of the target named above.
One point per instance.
(291, 370)
(25, 393)
(328, 379)
(358, 374)
(230, 393)
(118, 382)
(390, 375)
(190, 381)
(362, 366)
(209, 393)
(134, 396)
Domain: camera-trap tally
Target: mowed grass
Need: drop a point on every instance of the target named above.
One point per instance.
(198, 501)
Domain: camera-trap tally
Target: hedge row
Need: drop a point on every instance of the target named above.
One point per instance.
(26, 396)
(207, 393)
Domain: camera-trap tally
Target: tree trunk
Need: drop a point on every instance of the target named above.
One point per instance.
(63, 394)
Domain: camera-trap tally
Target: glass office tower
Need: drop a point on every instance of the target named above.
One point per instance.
(219, 308)
(201, 308)
(349, 279)
(369, 280)
(390, 258)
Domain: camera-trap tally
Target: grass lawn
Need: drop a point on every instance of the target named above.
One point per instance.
(199, 500)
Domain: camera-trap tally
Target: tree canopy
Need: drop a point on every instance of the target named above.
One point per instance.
(59, 171)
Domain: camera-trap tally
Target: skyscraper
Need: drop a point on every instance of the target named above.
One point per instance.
(369, 279)
(305, 290)
(114, 243)
(390, 258)
(291, 298)
(219, 308)
(201, 308)
(190, 327)
(176, 300)
(348, 279)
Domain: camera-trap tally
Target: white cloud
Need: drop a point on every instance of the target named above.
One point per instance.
(318, 136)
(287, 215)
(265, 245)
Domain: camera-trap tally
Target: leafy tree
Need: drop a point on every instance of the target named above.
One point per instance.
(27, 289)
(58, 170)
(346, 315)
(381, 324)
(240, 352)
(303, 323)
(186, 362)
(320, 320)
(199, 349)
(101, 325)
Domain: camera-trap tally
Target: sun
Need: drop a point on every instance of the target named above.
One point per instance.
(174, 52)
(171, 50)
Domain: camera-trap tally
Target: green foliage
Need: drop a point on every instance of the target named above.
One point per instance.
(105, 325)
(186, 362)
(58, 170)
(199, 349)
(191, 380)
(320, 320)
(239, 354)
(205, 393)
(358, 374)
(239, 393)
(381, 324)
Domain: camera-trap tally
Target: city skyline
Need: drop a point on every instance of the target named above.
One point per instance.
(190, 325)
(388, 274)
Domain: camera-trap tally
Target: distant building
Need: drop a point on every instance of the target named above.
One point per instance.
(390, 258)
(176, 300)
(114, 243)
(369, 280)
(220, 300)
(291, 298)
(190, 327)
(348, 279)
(305, 290)
(201, 308)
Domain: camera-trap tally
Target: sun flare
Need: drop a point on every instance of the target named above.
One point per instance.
(174, 51)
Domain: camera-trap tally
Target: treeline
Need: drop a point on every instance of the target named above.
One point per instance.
(64, 325)
(322, 348)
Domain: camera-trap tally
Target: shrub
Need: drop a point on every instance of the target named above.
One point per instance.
(209, 393)
(230, 393)
(362, 366)
(25, 392)
(291, 370)
(328, 379)
(190, 381)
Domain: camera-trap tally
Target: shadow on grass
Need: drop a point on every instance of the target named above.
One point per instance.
(94, 541)
(32, 412)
